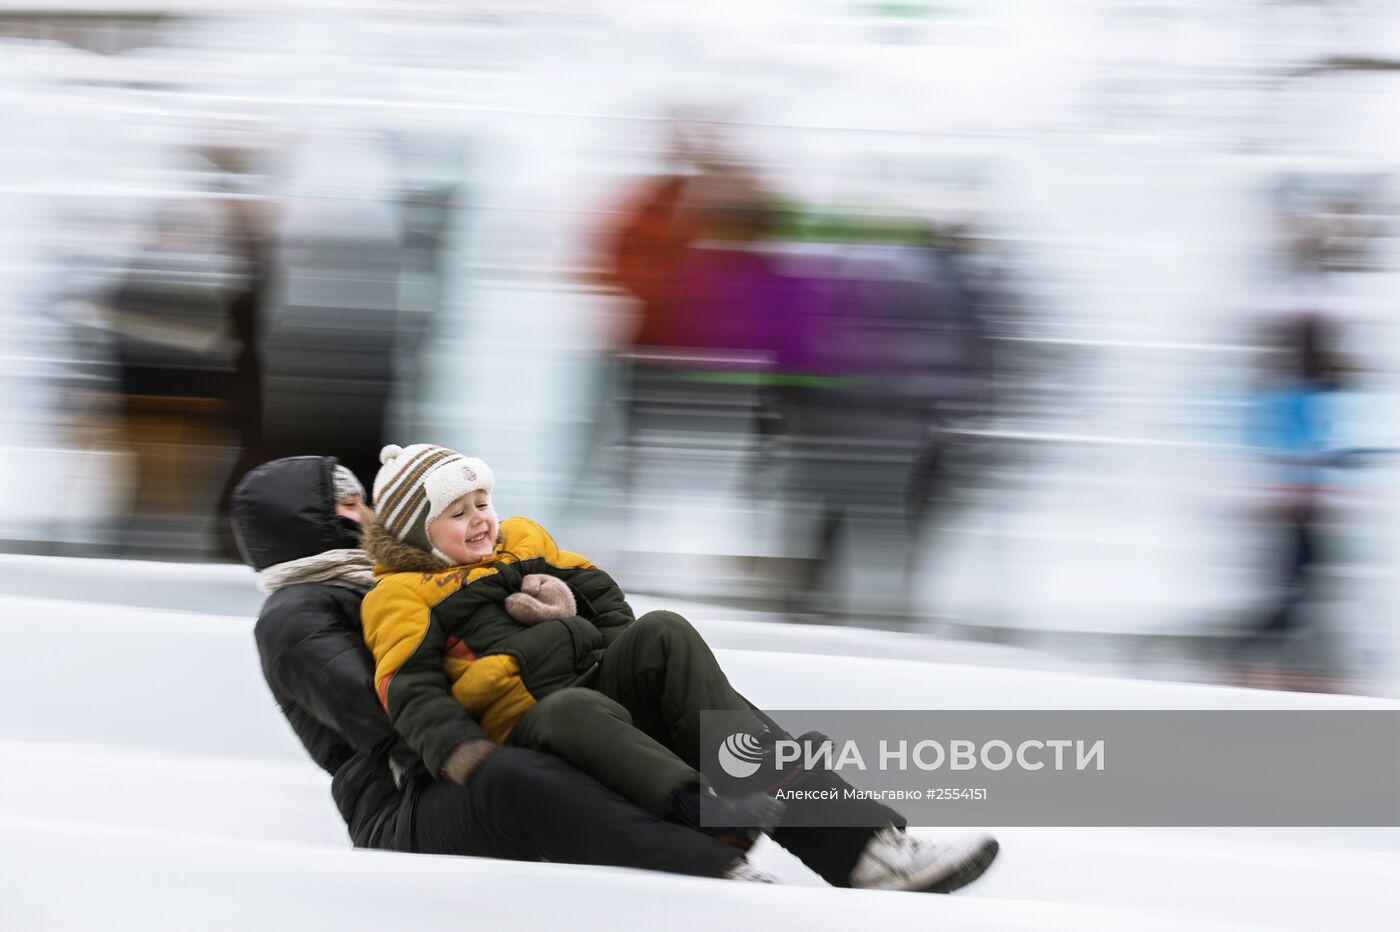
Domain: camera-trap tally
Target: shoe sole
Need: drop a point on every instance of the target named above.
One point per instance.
(968, 871)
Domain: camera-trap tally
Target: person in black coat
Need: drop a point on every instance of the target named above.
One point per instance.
(297, 523)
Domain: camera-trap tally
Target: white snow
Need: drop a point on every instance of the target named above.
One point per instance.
(148, 782)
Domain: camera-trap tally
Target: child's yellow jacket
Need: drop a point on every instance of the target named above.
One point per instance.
(422, 621)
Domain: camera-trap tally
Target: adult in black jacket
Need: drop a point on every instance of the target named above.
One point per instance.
(520, 804)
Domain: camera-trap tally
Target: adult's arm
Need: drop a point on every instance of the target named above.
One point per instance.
(312, 657)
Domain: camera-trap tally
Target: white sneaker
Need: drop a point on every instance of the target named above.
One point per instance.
(746, 872)
(896, 860)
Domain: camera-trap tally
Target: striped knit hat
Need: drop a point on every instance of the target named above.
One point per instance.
(416, 483)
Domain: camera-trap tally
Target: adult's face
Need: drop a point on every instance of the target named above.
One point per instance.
(354, 508)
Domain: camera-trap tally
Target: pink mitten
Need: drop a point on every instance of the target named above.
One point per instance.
(541, 598)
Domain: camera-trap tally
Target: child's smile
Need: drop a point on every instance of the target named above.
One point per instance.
(466, 530)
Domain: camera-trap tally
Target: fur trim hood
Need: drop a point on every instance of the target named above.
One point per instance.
(392, 555)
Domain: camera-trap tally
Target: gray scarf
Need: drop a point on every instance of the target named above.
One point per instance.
(353, 569)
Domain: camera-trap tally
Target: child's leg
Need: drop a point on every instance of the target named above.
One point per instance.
(596, 735)
(664, 673)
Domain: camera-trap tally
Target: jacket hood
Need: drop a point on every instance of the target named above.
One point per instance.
(285, 510)
(394, 556)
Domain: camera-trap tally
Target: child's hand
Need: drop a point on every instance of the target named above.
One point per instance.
(541, 598)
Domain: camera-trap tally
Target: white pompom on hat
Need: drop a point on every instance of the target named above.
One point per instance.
(417, 482)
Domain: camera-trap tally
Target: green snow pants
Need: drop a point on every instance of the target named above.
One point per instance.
(636, 727)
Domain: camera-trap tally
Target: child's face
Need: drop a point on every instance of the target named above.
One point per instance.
(466, 529)
(353, 508)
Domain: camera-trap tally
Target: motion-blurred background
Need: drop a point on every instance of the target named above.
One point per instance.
(1067, 325)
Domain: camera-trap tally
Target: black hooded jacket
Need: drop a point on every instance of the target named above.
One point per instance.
(313, 652)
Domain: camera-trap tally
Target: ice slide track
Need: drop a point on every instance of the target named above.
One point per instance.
(119, 809)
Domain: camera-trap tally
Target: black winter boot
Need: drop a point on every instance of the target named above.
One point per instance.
(736, 821)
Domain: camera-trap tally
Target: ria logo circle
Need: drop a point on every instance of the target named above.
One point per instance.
(739, 755)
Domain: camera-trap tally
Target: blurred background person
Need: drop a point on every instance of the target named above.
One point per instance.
(887, 356)
(1292, 428)
(182, 321)
(688, 248)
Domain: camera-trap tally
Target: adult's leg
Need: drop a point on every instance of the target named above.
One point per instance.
(595, 734)
(832, 851)
(528, 806)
